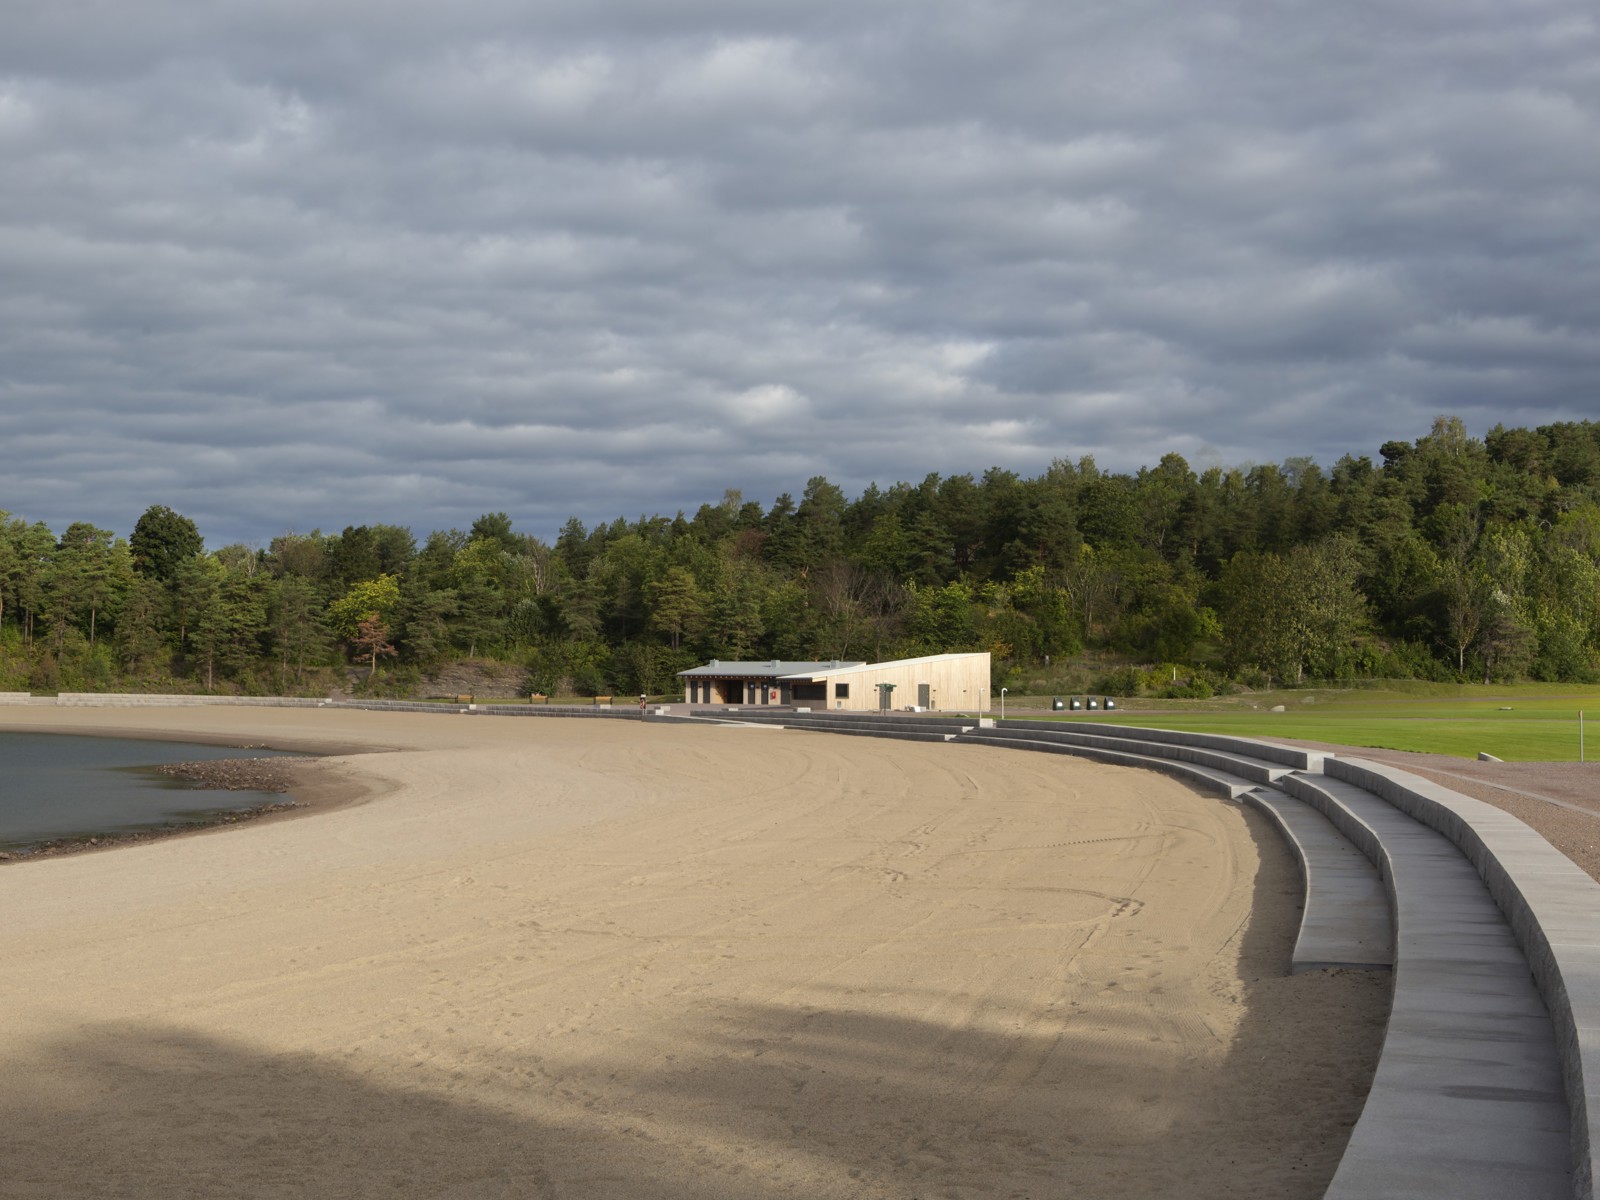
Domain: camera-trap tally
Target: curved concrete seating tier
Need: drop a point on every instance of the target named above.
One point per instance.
(1207, 778)
(1346, 920)
(1236, 760)
(1467, 1099)
(1229, 771)
(1552, 907)
(1272, 752)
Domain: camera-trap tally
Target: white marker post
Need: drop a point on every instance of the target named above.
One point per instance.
(1002, 704)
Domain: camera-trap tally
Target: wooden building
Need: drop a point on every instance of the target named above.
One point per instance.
(754, 682)
(934, 683)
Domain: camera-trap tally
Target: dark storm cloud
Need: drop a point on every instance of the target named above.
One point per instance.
(292, 265)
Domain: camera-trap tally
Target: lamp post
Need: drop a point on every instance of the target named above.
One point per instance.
(1002, 704)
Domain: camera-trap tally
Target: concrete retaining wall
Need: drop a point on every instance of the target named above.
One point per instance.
(152, 700)
(170, 700)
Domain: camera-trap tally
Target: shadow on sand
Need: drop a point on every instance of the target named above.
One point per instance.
(768, 1101)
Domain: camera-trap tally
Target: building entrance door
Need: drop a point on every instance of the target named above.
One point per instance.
(923, 699)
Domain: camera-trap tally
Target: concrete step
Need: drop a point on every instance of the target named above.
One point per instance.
(1210, 779)
(1345, 921)
(1289, 756)
(1234, 762)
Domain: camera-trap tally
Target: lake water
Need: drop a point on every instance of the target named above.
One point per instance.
(61, 785)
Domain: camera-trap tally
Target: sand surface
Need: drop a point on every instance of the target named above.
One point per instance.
(593, 959)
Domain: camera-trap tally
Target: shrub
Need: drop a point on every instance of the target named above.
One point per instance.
(1120, 681)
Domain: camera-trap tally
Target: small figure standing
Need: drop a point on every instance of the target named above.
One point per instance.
(641, 702)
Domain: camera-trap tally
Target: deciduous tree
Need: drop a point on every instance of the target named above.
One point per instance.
(161, 541)
(372, 641)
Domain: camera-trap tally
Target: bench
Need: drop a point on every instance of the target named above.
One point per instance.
(602, 700)
(538, 698)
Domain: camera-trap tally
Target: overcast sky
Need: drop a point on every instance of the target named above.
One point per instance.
(288, 264)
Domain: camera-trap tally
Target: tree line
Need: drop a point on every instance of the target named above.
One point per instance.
(1447, 558)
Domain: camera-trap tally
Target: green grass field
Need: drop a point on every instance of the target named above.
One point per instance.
(1519, 723)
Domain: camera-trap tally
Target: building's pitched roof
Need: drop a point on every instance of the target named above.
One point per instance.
(772, 669)
(828, 669)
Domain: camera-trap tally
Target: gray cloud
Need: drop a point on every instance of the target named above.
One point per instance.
(293, 265)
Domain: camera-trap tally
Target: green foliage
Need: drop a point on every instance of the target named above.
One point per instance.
(161, 540)
(1168, 681)
(230, 618)
(402, 683)
(371, 597)
(1287, 615)
(678, 610)
(942, 617)
(300, 638)
(570, 668)
(139, 636)
(1121, 681)
(1448, 557)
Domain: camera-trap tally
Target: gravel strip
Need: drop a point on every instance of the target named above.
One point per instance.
(275, 774)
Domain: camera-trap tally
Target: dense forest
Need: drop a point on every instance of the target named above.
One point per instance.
(1449, 558)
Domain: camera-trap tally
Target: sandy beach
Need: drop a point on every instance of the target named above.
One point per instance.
(503, 957)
